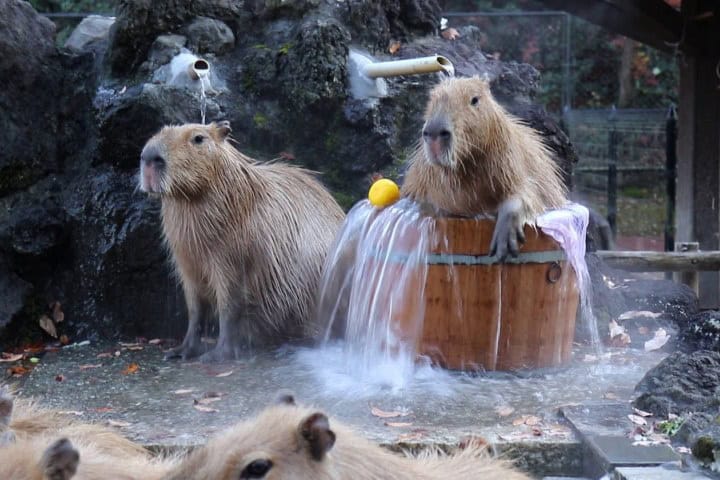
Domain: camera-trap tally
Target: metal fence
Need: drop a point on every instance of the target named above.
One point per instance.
(627, 157)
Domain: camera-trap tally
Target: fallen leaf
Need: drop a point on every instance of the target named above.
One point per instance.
(412, 436)
(130, 369)
(638, 314)
(64, 339)
(118, 423)
(642, 413)
(71, 412)
(615, 329)
(394, 47)
(658, 341)
(122, 90)
(10, 357)
(88, 367)
(224, 374)
(450, 34)
(47, 324)
(135, 348)
(472, 441)
(156, 341)
(17, 371)
(637, 420)
(203, 408)
(57, 313)
(504, 410)
(610, 396)
(59, 377)
(183, 391)
(398, 424)
(206, 401)
(533, 420)
(128, 345)
(383, 414)
(683, 450)
(621, 340)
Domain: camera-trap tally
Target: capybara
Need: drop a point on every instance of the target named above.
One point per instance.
(286, 441)
(248, 239)
(474, 158)
(39, 444)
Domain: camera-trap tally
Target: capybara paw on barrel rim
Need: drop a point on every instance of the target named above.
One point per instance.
(247, 239)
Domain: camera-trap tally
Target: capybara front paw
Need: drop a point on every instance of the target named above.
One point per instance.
(184, 352)
(60, 460)
(508, 235)
(218, 354)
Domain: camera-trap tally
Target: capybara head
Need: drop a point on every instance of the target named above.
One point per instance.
(458, 117)
(284, 441)
(182, 161)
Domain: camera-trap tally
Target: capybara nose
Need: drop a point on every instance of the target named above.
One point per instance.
(151, 157)
(435, 129)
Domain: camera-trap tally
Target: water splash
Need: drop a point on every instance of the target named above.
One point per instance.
(373, 296)
(203, 101)
(378, 263)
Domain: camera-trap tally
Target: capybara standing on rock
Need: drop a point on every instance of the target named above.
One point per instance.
(475, 158)
(248, 240)
(287, 441)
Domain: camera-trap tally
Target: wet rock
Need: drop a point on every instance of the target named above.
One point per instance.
(680, 384)
(617, 293)
(702, 332)
(90, 35)
(316, 69)
(13, 292)
(163, 49)
(30, 79)
(269, 9)
(121, 280)
(139, 22)
(129, 119)
(207, 35)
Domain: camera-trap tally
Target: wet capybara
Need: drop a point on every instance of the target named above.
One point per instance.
(475, 158)
(40, 444)
(248, 239)
(286, 441)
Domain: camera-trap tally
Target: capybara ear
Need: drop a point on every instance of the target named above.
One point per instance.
(60, 460)
(223, 128)
(285, 397)
(315, 430)
(6, 408)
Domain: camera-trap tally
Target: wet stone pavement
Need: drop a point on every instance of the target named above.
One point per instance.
(175, 404)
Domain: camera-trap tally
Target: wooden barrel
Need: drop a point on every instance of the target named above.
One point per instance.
(483, 315)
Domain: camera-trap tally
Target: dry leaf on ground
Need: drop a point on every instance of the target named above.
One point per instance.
(224, 374)
(615, 329)
(203, 408)
(394, 47)
(412, 436)
(47, 324)
(130, 369)
(530, 420)
(10, 357)
(183, 391)
(207, 401)
(638, 314)
(642, 413)
(637, 420)
(71, 412)
(156, 341)
(57, 313)
(88, 367)
(383, 414)
(504, 410)
(450, 34)
(118, 423)
(658, 341)
(398, 424)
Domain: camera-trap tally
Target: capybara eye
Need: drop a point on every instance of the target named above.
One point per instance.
(198, 139)
(257, 468)
(474, 100)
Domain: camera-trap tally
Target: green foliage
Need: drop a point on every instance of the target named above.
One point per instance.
(260, 120)
(670, 427)
(284, 48)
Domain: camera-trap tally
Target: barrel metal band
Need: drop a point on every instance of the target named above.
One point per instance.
(547, 256)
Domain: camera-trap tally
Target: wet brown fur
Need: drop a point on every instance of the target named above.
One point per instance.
(245, 237)
(275, 435)
(493, 157)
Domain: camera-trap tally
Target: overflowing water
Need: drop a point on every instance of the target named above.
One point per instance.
(373, 295)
